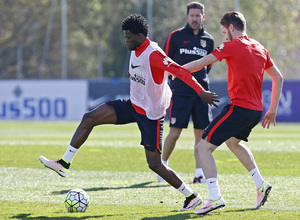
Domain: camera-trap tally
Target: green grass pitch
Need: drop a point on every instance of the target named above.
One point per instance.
(111, 167)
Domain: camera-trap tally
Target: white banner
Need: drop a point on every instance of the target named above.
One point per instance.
(43, 99)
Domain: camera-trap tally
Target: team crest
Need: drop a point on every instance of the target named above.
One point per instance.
(173, 120)
(203, 43)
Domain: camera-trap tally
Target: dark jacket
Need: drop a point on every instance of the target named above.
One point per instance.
(183, 46)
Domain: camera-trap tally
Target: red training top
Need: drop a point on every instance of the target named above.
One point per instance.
(246, 59)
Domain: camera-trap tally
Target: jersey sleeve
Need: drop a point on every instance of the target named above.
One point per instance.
(160, 61)
(269, 62)
(223, 51)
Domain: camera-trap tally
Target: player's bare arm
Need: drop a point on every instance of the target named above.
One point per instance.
(200, 63)
(277, 81)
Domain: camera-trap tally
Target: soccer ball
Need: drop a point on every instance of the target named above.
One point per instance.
(77, 200)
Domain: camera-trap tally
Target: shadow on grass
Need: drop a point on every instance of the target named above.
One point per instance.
(140, 185)
(240, 210)
(28, 216)
(177, 215)
(180, 215)
(215, 214)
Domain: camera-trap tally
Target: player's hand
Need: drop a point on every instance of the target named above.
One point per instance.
(268, 118)
(210, 97)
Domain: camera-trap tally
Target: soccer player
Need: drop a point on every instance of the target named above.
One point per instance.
(247, 60)
(185, 45)
(149, 99)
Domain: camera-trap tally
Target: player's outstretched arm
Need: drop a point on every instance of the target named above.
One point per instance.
(199, 64)
(161, 62)
(277, 81)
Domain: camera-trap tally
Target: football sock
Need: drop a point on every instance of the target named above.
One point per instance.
(165, 162)
(257, 178)
(213, 188)
(70, 154)
(185, 190)
(199, 172)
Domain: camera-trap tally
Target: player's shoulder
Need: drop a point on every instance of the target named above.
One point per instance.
(256, 42)
(158, 52)
(177, 32)
(207, 35)
(226, 46)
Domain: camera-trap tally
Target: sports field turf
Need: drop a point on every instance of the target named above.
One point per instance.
(111, 167)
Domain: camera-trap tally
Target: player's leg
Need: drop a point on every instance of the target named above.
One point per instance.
(180, 111)
(169, 145)
(179, 118)
(199, 175)
(155, 164)
(242, 152)
(214, 135)
(112, 112)
(215, 201)
(201, 116)
(248, 119)
(151, 132)
(204, 149)
(170, 142)
(245, 156)
(103, 114)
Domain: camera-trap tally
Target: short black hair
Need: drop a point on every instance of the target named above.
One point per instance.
(235, 18)
(197, 5)
(136, 24)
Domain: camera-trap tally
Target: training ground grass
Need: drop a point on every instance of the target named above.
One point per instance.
(111, 167)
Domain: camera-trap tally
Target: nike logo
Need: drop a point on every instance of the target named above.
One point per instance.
(212, 182)
(149, 145)
(183, 188)
(92, 103)
(253, 173)
(186, 42)
(72, 151)
(133, 67)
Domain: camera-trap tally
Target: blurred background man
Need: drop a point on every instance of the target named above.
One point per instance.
(185, 45)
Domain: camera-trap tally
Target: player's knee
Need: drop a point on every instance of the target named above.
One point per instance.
(154, 166)
(87, 119)
(231, 143)
(174, 134)
(197, 149)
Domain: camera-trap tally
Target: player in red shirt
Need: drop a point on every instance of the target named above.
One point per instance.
(247, 60)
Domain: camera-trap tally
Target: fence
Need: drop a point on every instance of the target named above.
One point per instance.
(70, 99)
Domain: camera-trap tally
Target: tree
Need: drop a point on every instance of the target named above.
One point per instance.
(97, 23)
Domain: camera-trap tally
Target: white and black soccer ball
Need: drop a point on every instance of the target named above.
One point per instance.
(77, 200)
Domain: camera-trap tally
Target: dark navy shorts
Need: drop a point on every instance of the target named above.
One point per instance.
(151, 130)
(233, 121)
(183, 107)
